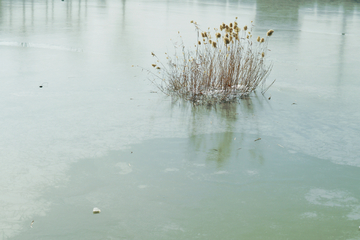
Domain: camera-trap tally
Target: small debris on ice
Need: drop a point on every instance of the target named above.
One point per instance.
(96, 210)
(257, 139)
(33, 223)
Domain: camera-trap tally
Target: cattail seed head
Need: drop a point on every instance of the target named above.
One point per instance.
(247, 36)
(157, 67)
(214, 44)
(218, 35)
(258, 39)
(270, 32)
(263, 54)
(199, 43)
(245, 27)
(262, 40)
(226, 40)
(191, 21)
(210, 41)
(154, 65)
(230, 24)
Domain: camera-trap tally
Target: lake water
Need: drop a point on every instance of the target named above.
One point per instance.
(96, 135)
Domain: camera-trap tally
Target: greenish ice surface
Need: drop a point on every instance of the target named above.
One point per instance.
(81, 128)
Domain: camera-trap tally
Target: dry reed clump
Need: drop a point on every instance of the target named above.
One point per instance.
(226, 64)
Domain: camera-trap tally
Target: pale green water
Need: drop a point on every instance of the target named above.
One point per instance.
(194, 173)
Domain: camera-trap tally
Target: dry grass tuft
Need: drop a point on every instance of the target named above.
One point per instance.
(231, 66)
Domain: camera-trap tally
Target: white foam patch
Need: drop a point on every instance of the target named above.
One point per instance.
(199, 164)
(355, 213)
(124, 168)
(171, 170)
(172, 227)
(251, 172)
(331, 198)
(309, 215)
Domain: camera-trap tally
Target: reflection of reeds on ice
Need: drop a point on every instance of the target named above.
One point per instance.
(220, 68)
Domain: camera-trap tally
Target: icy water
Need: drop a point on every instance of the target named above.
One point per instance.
(81, 128)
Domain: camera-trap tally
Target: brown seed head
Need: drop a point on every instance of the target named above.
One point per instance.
(218, 35)
(258, 39)
(270, 32)
(199, 43)
(230, 24)
(157, 67)
(210, 41)
(226, 40)
(214, 44)
(191, 21)
(245, 27)
(154, 65)
(262, 40)
(263, 54)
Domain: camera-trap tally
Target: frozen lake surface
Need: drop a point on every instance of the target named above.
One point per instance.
(96, 135)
